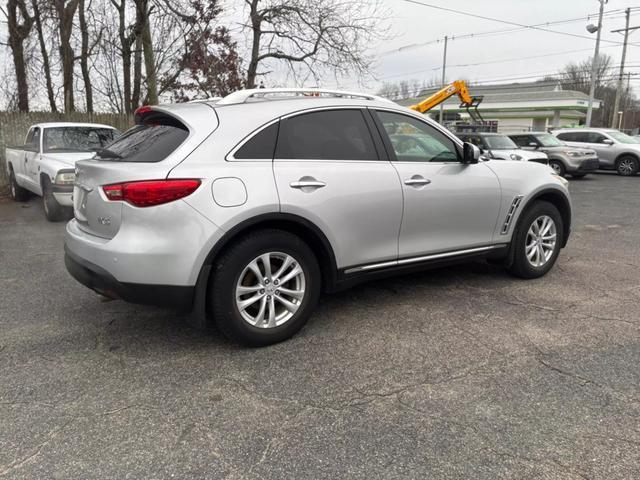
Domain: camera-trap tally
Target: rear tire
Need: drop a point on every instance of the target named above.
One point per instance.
(627, 166)
(558, 167)
(533, 255)
(18, 193)
(52, 209)
(283, 299)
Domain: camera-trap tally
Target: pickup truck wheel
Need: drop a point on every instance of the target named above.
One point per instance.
(558, 167)
(537, 241)
(18, 193)
(627, 166)
(52, 209)
(264, 288)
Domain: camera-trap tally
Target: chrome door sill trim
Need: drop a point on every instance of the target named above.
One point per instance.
(424, 258)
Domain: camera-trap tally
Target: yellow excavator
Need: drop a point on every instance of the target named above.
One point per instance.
(459, 87)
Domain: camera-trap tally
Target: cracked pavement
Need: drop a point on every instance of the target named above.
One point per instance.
(457, 373)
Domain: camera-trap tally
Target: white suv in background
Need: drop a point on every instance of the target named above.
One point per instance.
(616, 150)
(246, 209)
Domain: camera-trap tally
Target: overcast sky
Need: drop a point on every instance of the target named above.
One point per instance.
(415, 24)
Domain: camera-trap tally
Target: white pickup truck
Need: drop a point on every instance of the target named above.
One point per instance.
(45, 164)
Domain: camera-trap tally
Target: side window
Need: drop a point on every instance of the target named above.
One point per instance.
(572, 137)
(525, 140)
(261, 146)
(326, 135)
(595, 137)
(415, 141)
(33, 139)
(521, 140)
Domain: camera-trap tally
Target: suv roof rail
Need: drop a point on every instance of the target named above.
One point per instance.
(242, 96)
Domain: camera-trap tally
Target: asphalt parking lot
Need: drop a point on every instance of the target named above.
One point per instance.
(457, 373)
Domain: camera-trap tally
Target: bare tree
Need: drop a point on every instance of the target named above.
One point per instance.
(19, 23)
(313, 35)
(85, 52)
(44, 52)
(66, 12)
(143, 26)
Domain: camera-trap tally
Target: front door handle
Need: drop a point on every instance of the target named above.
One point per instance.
(417, 181)
(307, 184)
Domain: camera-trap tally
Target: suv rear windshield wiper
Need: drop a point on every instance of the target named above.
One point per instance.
(106, 153)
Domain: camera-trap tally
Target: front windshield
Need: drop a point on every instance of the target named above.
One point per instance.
(76, 139)
(500, 142)
(622, 137)
(548, 140)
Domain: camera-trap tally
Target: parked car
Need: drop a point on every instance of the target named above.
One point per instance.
(616, 150)
(563, 159)
(44, 165)
(245, 210)
(501, 147)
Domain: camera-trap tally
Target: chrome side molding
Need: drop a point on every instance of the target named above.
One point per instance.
(423, 258)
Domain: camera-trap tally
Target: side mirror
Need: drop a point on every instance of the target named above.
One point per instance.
(607, 141)
(470, 153)
(533, 145)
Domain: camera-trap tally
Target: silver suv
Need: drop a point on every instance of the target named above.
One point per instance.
(246, 209)
(616, 150)
(562, 158)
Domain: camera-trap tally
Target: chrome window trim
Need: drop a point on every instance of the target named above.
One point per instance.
(231, 158)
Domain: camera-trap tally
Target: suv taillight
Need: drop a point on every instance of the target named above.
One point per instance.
(148, 193)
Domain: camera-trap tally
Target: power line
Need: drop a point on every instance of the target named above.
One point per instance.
(610, 15)
(490, 62)
(506, 22)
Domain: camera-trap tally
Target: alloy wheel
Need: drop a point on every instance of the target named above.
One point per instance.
(270, 290)
(541, 241)
(556, 167)
(626, 166)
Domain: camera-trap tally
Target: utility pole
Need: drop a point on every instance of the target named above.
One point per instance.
(616, 104)
(594, 66)
(444, 79)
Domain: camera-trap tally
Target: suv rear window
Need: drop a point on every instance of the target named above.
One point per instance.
(152, 141)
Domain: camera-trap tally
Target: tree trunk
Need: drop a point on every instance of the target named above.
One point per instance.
(147, 49)
(84, 57)
(137, 74)
(67, 56)
(125, 49)
(17, 35)
(256, 30)
(46, 64)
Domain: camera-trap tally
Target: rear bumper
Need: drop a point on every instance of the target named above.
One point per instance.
(102, 282)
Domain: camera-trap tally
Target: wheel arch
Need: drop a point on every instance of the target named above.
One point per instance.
(561, 202)
(626, 154)
(294, 224)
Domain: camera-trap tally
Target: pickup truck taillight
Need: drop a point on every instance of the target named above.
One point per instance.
(148, 193)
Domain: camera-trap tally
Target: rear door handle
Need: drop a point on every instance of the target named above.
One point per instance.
(308, 184)
(417, 181)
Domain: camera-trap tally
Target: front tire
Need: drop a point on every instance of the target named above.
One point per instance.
(558, 167)
(627, 166)
(537, 241)
(18, 193)
(52, 209)
(264, 288)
